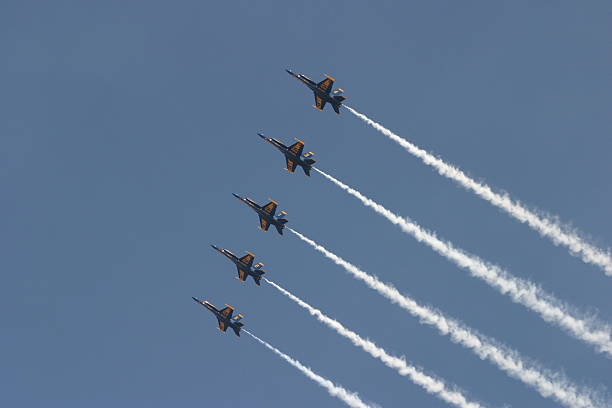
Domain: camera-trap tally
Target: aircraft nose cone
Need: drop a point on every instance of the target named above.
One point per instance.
(196, 300)
(237, 196)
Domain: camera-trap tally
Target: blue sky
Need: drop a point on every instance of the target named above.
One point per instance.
(126, 126)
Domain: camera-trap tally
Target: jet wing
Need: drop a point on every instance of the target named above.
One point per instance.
(291, 165)
(222, 326)
(319, 103)
(227, 312)
(242, 275)
(297, 148)
(326, 85)
(247, 259)
(263, 224)
(270, 208)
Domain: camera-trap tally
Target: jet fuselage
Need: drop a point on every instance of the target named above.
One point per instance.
(279, 223)
(228, 322)
(326, 96)
(242, 266)
(298, 159)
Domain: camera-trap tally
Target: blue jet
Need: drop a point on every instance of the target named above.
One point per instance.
(266, 214)
(322, 91)
(244, 265)
(224, 316)
(293, 154)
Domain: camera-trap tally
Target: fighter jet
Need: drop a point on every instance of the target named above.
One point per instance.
(244, 265)
(293, 154)
(224, 316)
(266, 214)
(322, 91)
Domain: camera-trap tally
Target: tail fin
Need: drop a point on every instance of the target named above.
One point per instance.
(258, 274)
(307, 169)
(237, 327)
(308, 158)
(279, 227)
(308, 162)
(338, 98)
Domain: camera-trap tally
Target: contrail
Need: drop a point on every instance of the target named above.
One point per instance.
(349, 398)
(545, 225)
(432, 385)
(549, 385)
(520, 291)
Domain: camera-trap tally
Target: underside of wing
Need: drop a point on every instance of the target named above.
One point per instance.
(263, 224)
(297, 148)
(291, 165)
(319, 103)
(227, 312)
(270, 208)
(242, 275)
(247, 259)
(326, 84)
(222, 326)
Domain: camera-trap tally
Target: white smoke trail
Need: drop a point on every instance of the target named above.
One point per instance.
(350, 398)
(549, 385)
(520, 291)
(430, 384)
(545, 225)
